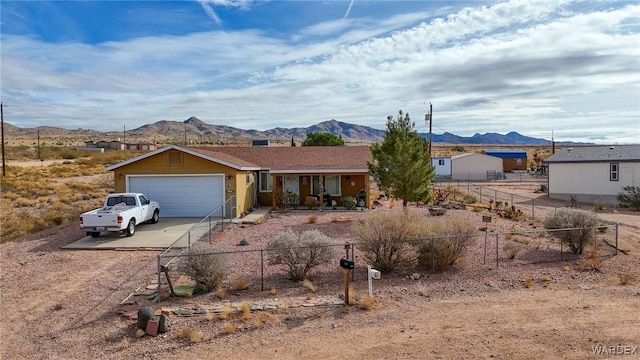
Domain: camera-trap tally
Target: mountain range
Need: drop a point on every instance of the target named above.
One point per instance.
(196, 130)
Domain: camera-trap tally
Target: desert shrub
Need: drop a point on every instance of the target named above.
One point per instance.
(630, 197)
(599, 206)
(443, 252)
(385, 237)
(469, 199)
(512, 248)
(301, 252)
(292, 199)
(510, 213)
(543, 188)
(207, 268)
(348, 202)
(581, 222)
(311, 203)
(626, 279)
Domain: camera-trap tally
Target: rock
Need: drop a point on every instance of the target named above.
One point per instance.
(144, 315)
(414, 276)
(165, 324)
(139, 333)
(437, 211)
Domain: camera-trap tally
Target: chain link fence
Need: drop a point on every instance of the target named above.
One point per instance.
(265, 269)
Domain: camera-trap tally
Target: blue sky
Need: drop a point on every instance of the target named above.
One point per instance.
(571, 67)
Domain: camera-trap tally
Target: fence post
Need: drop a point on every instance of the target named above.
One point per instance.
(481, 193)
(353, 258)
(561, 254)
(533, 208)
(209, 217)
(159, 279)
(497, 253)
(595, 239)
(433, 256)
(262, 270)
(616, 238)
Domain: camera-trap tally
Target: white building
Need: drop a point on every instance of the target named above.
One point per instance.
(474, 167)
(594, 173)
(441, 166)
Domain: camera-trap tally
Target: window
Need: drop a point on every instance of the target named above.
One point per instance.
(440, 162)
(518, 161)
(613, 172)
(331, 184)
(266, 181)
(143, 200)
(248, 177)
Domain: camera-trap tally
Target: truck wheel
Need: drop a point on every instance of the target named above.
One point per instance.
(94, 233)
(131, 228)
(155, 217)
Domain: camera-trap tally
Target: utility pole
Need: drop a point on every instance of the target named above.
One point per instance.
(430, 126)
(39, 155)
(124, 136)
(2, 130)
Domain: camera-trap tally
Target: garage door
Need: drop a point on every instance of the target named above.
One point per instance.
(181, 196)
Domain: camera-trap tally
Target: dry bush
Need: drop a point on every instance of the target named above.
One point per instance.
(189, 333)
(224, 314)
(545, 278)
(206, 268)
(528, 282)
(450, 247)
(511, 249)
(386, 237)
(228, 327)
(221, 293)
(273, 291)
(240, 284)
(626, 279)
(246, 312)
(581, 221)
(308, 284)
(300, 253)
(209, 316)
(312, 219)
(591, 261)
(367, 303)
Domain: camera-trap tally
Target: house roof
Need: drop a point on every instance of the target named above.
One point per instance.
(470, 154)
(507, 153)
(622, 153)
(305, 159)
(221, 158)
(302, 159)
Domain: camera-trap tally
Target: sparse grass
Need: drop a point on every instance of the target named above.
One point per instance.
(309, 285)
(545, 278)
(320, 312)
(228, 327)
(426, 293)
(591, 261)
(224, 314)
(367, 303)
(209, 316)
(312, 219)
(221, 293)
(478, 209)
(246, 312)
(273, 291)
(626, 279)
(511, 249)
(58, 306)
(528, 282)
(192, 334)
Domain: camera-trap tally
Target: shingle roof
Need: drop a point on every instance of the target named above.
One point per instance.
(298, 159)
(623, 153)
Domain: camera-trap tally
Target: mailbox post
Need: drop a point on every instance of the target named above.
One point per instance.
(347, 265)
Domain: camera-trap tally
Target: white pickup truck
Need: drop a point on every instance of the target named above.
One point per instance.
(121, 212)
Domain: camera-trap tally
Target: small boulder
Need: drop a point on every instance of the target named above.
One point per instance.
(165, 324)
(437, 211)
(140, 333)
(144, 315)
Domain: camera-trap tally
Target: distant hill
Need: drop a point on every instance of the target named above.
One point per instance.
(196, 130)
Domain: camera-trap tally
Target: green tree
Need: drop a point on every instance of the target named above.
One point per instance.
(322, 139)
(401, 163)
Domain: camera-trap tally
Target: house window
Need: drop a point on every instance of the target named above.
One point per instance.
(613, 172)
(175, 158)
(331, 184)
(440, 162)
(248, 177)
(518, 161)
(266, 181)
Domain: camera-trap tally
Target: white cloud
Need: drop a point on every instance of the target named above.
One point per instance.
(526, 66)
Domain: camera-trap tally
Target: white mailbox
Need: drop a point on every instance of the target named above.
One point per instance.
(372, 274)
(375, 274)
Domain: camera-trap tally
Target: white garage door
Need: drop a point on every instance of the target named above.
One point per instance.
(181, 196)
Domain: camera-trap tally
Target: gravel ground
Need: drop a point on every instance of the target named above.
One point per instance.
(60, 304)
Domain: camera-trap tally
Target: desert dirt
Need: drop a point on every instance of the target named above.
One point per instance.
(61, 304)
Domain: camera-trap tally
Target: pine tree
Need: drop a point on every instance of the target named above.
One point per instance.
(401, 163)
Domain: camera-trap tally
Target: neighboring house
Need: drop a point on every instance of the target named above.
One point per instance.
(442, 167)
(140, 146)
(474, 166)
(191, 182)
(593, 173)
(512, 159)
(107, 145)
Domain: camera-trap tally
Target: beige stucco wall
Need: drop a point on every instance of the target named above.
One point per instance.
(474, 166)
(590, 182)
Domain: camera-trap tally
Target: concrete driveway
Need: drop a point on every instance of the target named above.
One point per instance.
(147, 236)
